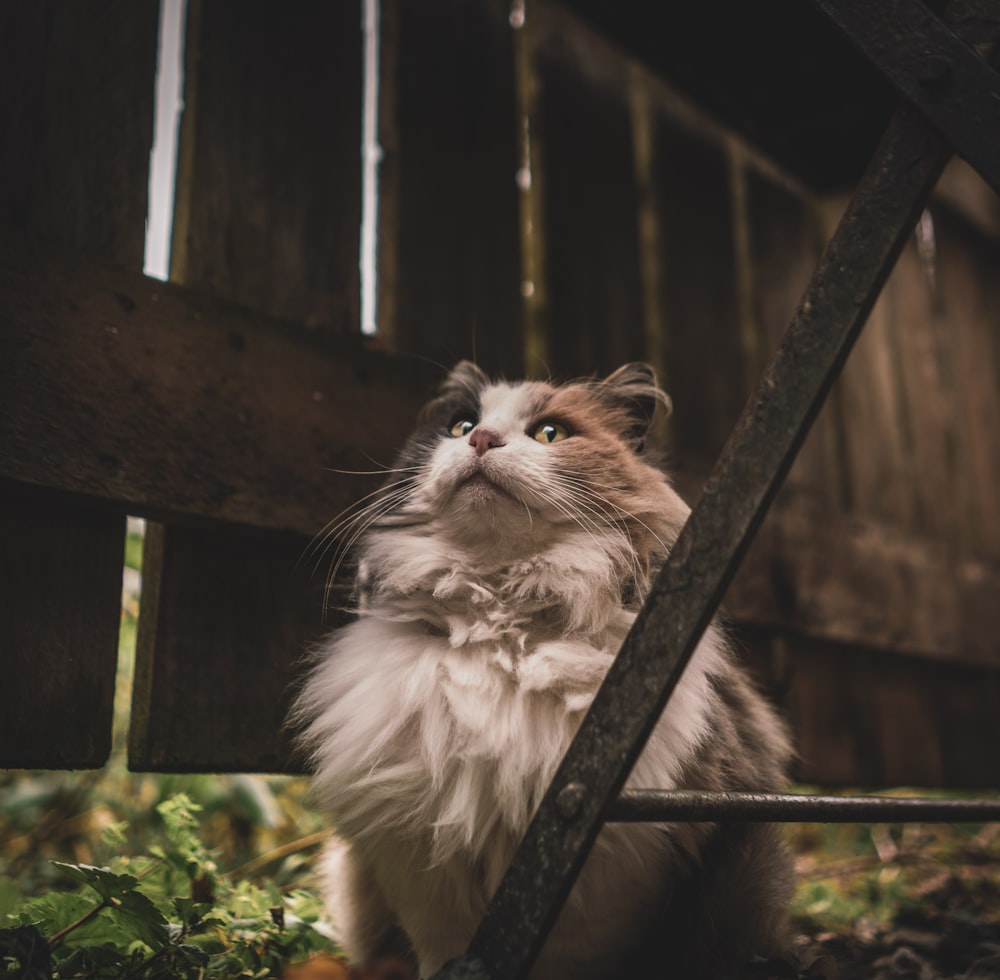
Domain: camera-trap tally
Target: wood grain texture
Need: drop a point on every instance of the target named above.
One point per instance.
(449, 257)
(857, 581)
(215, 670)
(967, 267)
(268, 208)
(705, 369)
(171, 404)
(267, 215)
(76, 114)
(864, 717)
(594, 288)
(783, 244)
(61, 573)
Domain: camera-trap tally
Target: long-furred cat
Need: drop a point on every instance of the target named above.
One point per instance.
(499, 573)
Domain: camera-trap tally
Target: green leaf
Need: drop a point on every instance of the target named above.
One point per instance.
(53, 912)
(146, 920)
(106, 883)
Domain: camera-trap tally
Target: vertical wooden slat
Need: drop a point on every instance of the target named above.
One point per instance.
(705, 371)
(871, 718)
(449, 261)
(590, 201)
(967, 267)
(877, 454)
(233, 615)
(926, 357)
(76, 112)
(784, 242)
(267, 214)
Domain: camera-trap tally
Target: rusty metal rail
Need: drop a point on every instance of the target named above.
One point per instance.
(585, 790)
(657, 806)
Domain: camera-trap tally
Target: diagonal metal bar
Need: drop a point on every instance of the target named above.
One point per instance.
(684, 597)
(952, 87)
(648, 805)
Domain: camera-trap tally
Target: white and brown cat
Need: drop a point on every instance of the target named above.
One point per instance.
(499, 572)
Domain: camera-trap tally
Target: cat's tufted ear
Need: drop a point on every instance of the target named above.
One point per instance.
(634, 388)
(465, 379)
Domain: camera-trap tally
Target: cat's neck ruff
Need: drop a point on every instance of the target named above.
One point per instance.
(449, 702)
(575, 581)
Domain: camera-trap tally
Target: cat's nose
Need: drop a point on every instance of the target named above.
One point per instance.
(482, 439)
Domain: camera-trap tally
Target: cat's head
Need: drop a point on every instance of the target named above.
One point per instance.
(496, 461)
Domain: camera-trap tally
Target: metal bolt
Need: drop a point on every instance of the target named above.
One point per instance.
(935, 74)
(570, 799)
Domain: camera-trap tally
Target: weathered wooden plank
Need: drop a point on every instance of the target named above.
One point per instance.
(925, 356)
(173, 404)
(449, 260)
(862, 717)
(783, 243)
(876, 456)
(838, 578)
(57, 650)
(268, 208)
(967, 266)
(704, 361)
(594, 288)
(215, 670)
(76, 114)
(267, 214)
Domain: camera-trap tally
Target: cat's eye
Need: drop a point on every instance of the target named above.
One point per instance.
(548, 432)
(461, 428)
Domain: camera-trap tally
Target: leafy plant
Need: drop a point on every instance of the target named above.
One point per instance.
(165, 914)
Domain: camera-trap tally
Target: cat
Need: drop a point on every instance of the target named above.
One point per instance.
(499, 571)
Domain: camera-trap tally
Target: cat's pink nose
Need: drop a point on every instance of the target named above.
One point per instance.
(482, 439)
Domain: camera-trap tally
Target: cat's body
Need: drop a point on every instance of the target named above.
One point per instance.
(502, 572)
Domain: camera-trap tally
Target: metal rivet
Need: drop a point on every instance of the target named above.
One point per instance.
(570, 799)
(935, 73)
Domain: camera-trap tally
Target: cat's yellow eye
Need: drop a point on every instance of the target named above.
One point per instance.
(548, 432)
(461, 428)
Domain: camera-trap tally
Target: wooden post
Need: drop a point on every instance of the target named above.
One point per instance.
(76, 117)
(596, 319)
(267, 214)
(449, 266)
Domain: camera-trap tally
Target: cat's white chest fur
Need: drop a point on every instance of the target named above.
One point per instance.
(445, 714)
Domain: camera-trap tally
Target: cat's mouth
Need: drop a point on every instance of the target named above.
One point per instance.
(480, 483)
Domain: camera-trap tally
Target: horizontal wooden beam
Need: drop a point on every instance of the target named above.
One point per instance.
(168, 403)
(172, 404)
(856, 582)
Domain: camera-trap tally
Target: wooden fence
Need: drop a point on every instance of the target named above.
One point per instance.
(217, 404)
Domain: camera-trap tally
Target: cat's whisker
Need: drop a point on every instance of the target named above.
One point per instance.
(562, 507)
(588, 483)
(360, 527)
(348, 530)
(352, 525)
(582, 495)
(382, 470)
(347, 516)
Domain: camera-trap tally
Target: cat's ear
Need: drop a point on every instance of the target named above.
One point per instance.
(634, 388)
(465, 379)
